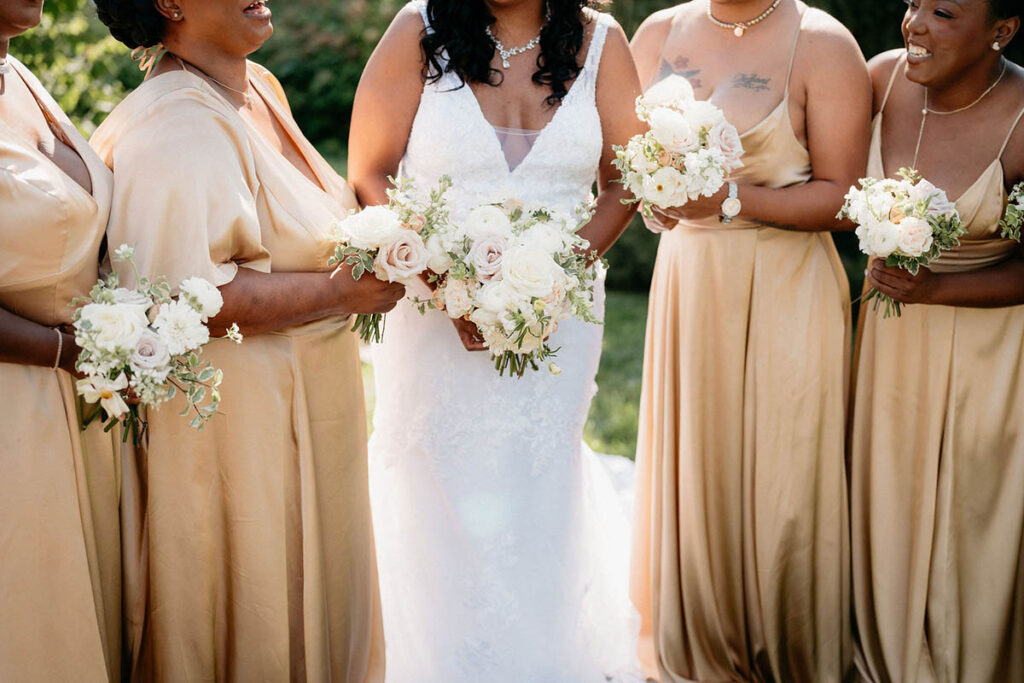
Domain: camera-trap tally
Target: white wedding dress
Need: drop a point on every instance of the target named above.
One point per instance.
(503, 546)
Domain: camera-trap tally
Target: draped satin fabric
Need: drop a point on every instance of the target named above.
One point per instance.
(254, 545)
(740, 535)
(60, 578)
(937, 473)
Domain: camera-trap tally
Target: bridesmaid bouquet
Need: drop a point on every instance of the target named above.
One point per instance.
(689, 151)
(388, 241)
(140, 346)
(516, 272)
(1014, 218)
(906, 221)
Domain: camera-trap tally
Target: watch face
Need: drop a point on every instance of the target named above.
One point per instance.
(731, 207)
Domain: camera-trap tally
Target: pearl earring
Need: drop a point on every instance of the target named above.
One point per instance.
(996, 46)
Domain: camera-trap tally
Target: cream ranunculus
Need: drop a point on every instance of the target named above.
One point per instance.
(914, 236)
(487, 220)
(180, 327)
(457, 298)
(116, 327)
(202, 295)
(403, 259)
(551, 236)
(371, 228)
(881, 238)
(106, 391)
(531, 272)
(486, 256)
(671, 129)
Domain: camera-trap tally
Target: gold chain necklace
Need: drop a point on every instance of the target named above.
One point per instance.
(928, 110)
(250, 101)
(740, 27)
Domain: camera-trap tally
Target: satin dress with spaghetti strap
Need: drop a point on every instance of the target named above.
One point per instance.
(937, 470)
(740, 535)
(257, 559)
(60, 577)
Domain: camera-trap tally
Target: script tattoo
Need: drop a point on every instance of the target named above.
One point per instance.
(750, 82)
(681, 67)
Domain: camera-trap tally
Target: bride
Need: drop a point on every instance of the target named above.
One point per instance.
(502, 545)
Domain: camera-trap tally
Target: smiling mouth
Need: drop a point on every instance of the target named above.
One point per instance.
(258, 10)
(917, 52)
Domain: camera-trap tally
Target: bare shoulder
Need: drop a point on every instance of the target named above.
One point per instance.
(655, 29)
(881, 67)
(402, 37)
(1013, 157)
(828, 43)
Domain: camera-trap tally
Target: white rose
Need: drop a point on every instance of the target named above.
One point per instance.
(133, 298)
(371, 228)
(106, 391)
(487, 220)
(881, 238)
(723, 136)
(665, 188)
(914, 236)
(202, 296)
(703, 114)
(438, 260)
(550, 236)
(486, 256)
(403, 259)
(117, 327)
(457, 298)
(180, 327)
(638, 160)
(495, 297)
(673, 91)
(531, 272)
(671, 129)
(151, 354)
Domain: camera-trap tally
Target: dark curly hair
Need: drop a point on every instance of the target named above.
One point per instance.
(136, 23)
(458, 33)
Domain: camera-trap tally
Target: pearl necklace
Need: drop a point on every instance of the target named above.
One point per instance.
(5, 66)
(740, 27)
(928, 110)
(506, 54)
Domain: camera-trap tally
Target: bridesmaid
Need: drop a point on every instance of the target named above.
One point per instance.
(937, 442)
(740, 538)
(60, 578)
(260, 557)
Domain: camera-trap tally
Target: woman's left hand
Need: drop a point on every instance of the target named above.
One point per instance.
(694, 210)
(901, 285)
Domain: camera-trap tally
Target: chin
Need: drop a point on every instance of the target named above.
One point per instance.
(22, 15)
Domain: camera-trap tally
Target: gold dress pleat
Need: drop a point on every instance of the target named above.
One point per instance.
(740, 536)
(937, 474)
(60, 578)
(255, 556)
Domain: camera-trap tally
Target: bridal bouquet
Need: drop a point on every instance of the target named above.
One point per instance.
(388, 241)
(689, 151)
(906, 221)
(1014, 218)
(516, 272)
(142, 344)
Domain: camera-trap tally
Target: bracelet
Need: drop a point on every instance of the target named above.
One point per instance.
(60, 349)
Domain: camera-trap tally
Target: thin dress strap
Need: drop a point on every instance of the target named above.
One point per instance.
(1009, 135)
(593, 61)
(892, 81)
(792, 56)
(421, 5)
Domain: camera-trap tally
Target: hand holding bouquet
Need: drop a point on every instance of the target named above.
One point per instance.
(142, 344)
(515, 272)
(906, 221)
(387, 241)
(1014, 218)
(689, 151)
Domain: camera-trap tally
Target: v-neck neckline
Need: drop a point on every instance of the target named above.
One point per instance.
(69, 142)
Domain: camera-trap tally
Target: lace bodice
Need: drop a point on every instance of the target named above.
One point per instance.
(450, 135)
